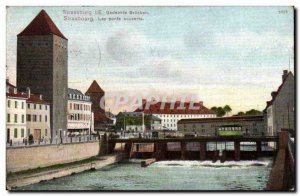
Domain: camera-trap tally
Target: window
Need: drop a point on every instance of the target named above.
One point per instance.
(22, 105)
(16, 104)
(22, 132)
(71, 106)
(8, 103)
(28, 117)
(34, 118)
(8, 118)
(46, 132)
(34, 106)
(46, 118)
(28, 105)
(16, 118)
(23, 118)
(40, 107)
(40, 118)
(46, 107)
(15, 133)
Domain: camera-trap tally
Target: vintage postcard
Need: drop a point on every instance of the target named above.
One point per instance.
(182, 98)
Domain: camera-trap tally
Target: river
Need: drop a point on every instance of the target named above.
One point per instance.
(167, 175)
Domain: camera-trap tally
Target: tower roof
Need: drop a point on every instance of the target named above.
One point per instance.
(42, 24)
(95, 88)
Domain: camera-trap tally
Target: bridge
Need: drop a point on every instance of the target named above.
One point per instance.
(165, 149)
(282, 176)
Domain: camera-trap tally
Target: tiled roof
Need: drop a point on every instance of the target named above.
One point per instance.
(36, 99)
(42, 24)
(94, 88)
(16, 95)
(223, 119)
(275, 93)
(176, 109)
(101, 118)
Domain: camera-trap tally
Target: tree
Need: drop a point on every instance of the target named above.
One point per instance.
(219, 111)
(251, 112)
(241, 113)
(227, 109)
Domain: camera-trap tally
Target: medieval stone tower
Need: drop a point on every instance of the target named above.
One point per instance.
(42, 65)
(96, 94)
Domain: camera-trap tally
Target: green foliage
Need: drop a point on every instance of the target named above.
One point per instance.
(251, 112)
(221, 111)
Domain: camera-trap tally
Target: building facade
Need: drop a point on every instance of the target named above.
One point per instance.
(42, 65)
(15, 114)
(80, 116)
(38, 117)
(27, 114)
(245, 125)
(171, 113)
(281, 109)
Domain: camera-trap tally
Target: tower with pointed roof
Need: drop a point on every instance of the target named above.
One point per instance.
(96, 94)
(42, 65)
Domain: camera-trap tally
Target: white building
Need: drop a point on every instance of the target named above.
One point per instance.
(38, 117)
(27, 114)
(15, 114)
(80, 116)
(281, 109)
(171, 113)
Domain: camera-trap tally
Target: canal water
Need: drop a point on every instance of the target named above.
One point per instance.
(167, 175)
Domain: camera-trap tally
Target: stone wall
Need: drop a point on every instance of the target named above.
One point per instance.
(24, 158)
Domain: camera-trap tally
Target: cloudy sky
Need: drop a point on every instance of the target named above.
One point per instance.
(221, 55)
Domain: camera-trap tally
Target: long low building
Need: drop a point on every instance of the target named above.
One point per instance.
(171, 112)
(243, 125)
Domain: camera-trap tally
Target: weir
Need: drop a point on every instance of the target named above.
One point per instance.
(167, 149)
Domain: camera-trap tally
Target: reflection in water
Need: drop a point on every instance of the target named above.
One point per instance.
(167, 175)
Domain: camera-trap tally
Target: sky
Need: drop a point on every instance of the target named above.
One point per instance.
(220, 55)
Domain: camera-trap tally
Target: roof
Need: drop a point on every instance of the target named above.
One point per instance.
(42, 24)
(174, 108)
(101, 118)
(95, 88)
(155, 118)
(222, 119)
(36, 99)
(109, 114)
(16, 95)
(275, 93)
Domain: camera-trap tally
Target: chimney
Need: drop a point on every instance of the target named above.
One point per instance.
(273, 94)
(7, 89)
(15, 90)
(201, 103)
(28, 92)
(285, 74)
(41, 97)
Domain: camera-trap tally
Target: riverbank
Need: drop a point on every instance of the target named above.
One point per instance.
(24, 178)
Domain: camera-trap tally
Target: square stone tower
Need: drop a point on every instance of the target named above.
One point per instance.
(42, 65)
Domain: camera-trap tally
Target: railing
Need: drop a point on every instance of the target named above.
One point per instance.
(54, 141)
